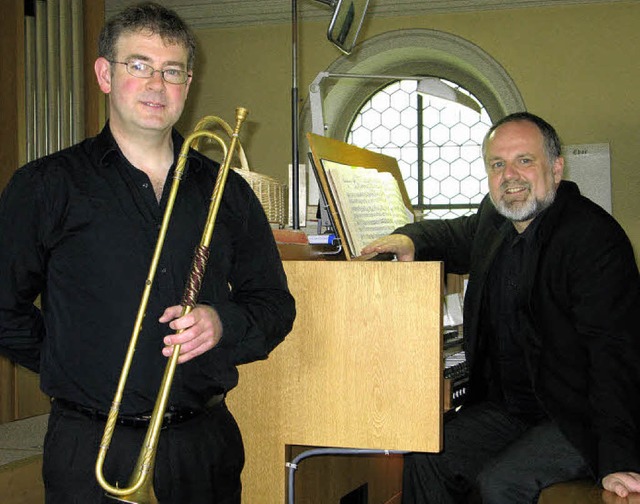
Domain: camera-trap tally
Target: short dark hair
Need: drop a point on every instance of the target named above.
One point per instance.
(147, 16)
(552, 144)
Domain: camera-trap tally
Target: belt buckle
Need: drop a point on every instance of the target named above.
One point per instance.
(169, 418)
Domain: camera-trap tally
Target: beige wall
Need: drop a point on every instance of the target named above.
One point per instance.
(576, 66)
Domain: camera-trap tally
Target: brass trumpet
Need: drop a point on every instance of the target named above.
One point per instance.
(139, 489)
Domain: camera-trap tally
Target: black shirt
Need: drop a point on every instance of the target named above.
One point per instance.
(79, 227)
(508, 324)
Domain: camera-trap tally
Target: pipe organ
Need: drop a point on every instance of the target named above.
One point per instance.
(54, 79)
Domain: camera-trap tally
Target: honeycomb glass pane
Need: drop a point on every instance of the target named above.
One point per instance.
(380, 136)
(361, 136)
(380, 101)
(439, 134)
(450, 154)
(460, 133)
(409, 119)
(430, 117)
(450, 188)
(371, 119)
(439, 170)
(470, 153)
(393, 151)
(477, 169)
(390, 118)
(408, 153)
(450, 116)
(401, 100)
(400, 135)
(470, 186)
(461, 170)
(431, 154)
(411, 185)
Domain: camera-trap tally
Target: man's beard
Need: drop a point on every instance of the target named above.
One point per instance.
(527, 210)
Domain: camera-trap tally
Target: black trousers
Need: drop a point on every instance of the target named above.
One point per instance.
(494, 454)
(198, 461)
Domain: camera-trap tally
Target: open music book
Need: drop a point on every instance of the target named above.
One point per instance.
(364, 192)
(368, 201)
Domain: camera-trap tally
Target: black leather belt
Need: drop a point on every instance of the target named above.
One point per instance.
(172, 415)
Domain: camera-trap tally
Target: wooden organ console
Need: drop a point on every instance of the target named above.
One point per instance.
(362, 369)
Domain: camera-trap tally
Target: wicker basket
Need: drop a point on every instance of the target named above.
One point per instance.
(271, 192)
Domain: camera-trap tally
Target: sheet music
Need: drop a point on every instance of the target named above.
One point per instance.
(370, 203)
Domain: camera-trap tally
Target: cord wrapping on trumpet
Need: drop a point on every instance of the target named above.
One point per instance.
(200, 258)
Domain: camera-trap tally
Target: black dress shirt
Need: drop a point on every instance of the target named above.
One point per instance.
(508, 325)
(583, 299)
(79, 227)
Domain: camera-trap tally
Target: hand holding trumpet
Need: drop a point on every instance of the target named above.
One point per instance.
(201, 330)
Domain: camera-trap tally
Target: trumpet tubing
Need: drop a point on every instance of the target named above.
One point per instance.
(139, 489)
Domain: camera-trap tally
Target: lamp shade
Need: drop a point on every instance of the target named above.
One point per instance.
(435, 88)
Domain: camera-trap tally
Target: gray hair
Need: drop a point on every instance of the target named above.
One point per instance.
(551, 140)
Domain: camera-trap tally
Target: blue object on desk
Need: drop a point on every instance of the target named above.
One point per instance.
(324, 239)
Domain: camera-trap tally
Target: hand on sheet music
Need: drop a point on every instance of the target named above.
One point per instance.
(400, 245)
(622, 483)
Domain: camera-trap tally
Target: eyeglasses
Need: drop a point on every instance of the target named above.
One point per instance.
(143, 71)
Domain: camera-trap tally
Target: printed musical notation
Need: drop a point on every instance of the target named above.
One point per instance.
(369, 202)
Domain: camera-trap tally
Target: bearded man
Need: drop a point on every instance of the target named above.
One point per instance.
(550, 332)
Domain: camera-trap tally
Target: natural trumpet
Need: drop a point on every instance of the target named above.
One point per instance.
(140, 486)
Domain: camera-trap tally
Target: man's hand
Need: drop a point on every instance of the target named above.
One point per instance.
(202, 331)
(622, 483)
(400, 245)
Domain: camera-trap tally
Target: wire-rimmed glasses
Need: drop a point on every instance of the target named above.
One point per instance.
(143, 70)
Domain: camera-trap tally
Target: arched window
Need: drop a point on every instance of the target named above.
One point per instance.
(437, 146)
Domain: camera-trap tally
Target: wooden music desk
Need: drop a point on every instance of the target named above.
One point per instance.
(362, 368)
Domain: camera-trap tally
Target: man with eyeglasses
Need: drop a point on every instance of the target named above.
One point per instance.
(78, 228)
(143, 70)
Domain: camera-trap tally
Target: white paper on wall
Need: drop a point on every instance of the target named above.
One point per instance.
(589, 166)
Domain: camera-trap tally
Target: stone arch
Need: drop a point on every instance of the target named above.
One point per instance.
(411, 52)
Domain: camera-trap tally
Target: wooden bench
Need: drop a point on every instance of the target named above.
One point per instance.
(575, 492)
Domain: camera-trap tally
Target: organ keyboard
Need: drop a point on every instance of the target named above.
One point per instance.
(456, 378)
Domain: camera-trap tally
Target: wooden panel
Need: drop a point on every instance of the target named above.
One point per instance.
(7, 398)
(11, 69)
(30, 400)
(362, 368)
(20, 395)
(95, 102)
